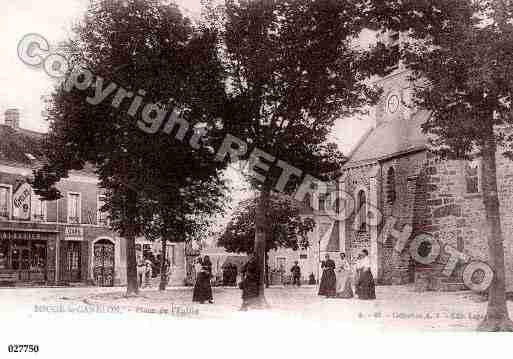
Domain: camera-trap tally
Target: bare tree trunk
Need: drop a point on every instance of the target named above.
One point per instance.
(497, 318)
(131, 260)
(163, 266)
(131, 267)
(260, 245)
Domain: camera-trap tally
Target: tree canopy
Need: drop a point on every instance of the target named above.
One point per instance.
(139, 104)
(288, 226)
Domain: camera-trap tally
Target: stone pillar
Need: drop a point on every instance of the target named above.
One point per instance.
(341, 213)
(373, 201)
(117, 262)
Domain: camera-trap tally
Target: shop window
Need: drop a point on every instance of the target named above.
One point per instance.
(472, 176)
(362, 212)
(39, 210)
(38, 256)
(391, 194)
(4, 254)
(74, 208)
(5, 200)
(73, 260)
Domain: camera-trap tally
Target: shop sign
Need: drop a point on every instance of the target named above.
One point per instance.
(74, 234)
(26, 236)
(21, 202)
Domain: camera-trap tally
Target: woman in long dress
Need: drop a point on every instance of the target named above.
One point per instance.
(328, 283)
(365, 288)
(344, 285)
(250, 283)
(202, 289)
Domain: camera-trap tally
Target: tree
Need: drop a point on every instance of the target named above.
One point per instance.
(460, 53)
(184, 217)
(149, 61)
(292, 70)
(288, 227)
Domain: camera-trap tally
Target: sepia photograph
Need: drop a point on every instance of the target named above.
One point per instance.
(240, 178)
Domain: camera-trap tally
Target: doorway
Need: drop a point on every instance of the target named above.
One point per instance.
(103, 269)
(71, 260)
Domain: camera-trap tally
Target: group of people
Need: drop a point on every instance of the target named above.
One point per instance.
(230, 275)
(148, 269)
(339, 284)
(335, 282)
(249, 281)
(144, 272)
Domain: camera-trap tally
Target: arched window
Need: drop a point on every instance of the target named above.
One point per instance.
(322, 202)
(362, 211)
(472, 176)
(391, 185)
(307, 201)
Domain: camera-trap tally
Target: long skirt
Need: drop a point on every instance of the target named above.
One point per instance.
(328, 283)
(202, 289)
(365, 288)
(249, 288)
(344, 289)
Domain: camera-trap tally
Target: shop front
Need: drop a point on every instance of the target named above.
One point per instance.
(73, 251)
(27, 256)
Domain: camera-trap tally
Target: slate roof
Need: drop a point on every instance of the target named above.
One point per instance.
(24, 148)
(391, 138)
(17, 147)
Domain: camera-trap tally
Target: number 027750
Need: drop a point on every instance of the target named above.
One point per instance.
(23, 348)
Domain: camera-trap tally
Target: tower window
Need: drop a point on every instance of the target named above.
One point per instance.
(362, 211)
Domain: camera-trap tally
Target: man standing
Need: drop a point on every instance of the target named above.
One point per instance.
(296, 274)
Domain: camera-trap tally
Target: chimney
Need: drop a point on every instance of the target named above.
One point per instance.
(12, 118)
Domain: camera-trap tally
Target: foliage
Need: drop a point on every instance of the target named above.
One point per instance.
(288, 228)
(461, 61)
(137, 45)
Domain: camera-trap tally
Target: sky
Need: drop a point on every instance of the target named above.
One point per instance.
(22, 86)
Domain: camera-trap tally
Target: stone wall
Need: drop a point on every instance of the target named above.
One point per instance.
(356, 179)
(457, 218)
(408, 208)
